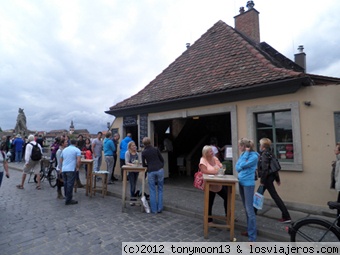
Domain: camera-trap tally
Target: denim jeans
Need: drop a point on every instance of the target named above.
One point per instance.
(153, 177)
(18, 156)
(133, 177)
(109, 166)
(247, 196)
(97, 162)
(69, 178)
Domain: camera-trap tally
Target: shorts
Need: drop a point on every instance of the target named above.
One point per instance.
(32, 165)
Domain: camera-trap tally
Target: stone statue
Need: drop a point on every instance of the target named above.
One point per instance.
(20, 127)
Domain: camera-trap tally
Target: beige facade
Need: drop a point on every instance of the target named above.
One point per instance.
(306, 180)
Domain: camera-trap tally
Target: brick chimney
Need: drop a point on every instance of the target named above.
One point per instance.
(247, 22)
(300, 58)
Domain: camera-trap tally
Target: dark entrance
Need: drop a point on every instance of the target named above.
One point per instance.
(188, 136)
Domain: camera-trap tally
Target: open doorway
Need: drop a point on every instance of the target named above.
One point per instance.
(187, 137)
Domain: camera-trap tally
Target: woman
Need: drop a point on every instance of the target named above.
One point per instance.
(131, 157)
(337, 174)
(54, 149)
(153, 160)
(210, 164)
(87, 149)
(267, 179)
(3, 162)
(246, 167)
(60, 183)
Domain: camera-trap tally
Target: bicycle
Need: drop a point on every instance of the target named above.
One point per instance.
(316, 229)
(48, 171)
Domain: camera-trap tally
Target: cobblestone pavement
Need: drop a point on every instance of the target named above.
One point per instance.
(36, 222)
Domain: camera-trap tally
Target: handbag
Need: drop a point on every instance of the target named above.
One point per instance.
(258, 198)
(198, 180)
(274, 165)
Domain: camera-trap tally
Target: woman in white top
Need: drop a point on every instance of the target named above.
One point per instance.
(132, 158)
(63, 144)
(3, 163)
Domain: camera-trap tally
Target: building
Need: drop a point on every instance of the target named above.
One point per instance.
(229, 85)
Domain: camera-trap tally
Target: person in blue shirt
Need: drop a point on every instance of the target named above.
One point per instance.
(122, 150)
(109, 150)
(246, 166)
(18, 144)
(70, 163)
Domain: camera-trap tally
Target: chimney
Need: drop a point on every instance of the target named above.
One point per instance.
(300, 58)
(247, 22)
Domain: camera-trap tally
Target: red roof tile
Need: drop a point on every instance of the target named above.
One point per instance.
(222, 59)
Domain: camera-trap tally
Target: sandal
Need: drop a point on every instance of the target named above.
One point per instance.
(20, 186)
(38, 188)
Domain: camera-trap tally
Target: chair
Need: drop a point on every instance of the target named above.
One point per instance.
(103, 175)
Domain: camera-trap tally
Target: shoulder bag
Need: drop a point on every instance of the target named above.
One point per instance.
(198, 180)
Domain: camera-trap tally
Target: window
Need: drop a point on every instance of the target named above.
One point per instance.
(277, 126)
(281, 124)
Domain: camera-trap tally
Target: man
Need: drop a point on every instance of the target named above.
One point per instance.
(123, 148)
(115, 140)
(109, 150)
(70, 163)
(40, 140)
(97, 147)
(18, 144)
(153, 160)
(30, 164)
(80, 142)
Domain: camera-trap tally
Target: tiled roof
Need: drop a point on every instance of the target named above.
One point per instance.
(222, 59)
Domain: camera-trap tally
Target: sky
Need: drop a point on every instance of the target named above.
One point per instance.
(71, 60)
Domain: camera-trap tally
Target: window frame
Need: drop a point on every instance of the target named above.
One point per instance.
(296, 165)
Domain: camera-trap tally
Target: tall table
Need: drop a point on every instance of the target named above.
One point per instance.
(126, 170)
(230, 182)
(89, 164)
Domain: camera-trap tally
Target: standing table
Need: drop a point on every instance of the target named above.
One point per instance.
(89, 164)
(225, 180)
(126, 170)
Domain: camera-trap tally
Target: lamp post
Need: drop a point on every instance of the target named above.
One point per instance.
(108, 125)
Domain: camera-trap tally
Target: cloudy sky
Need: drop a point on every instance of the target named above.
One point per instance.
(63, 60)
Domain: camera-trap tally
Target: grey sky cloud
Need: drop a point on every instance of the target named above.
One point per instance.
(71, 60)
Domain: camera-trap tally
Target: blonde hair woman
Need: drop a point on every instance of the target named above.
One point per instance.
(210, 164)
(246, 167)
(131, 157)
(267, 178)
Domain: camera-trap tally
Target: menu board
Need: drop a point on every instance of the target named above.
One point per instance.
(129, 121)
(143, 126)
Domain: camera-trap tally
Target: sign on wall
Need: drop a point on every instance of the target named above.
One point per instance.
(143, 126)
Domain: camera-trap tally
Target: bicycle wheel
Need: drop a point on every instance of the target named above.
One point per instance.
(52, 177)
(313, 230)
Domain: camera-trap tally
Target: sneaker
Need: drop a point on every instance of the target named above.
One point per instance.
(283, 220)
(132, 204)
(72, 202)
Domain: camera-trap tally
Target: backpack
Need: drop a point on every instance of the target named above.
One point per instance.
(36, 154)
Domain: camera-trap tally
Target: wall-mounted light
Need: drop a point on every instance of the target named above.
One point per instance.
(195, 117)
(307, 103)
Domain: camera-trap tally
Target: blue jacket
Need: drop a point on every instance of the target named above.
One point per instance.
(123, 147)
(246, 167)
(108, 147)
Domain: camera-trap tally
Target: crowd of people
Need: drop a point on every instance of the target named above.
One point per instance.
(67, 154)
(249, 165)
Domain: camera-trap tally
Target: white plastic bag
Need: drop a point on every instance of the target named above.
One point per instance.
(145, 204)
